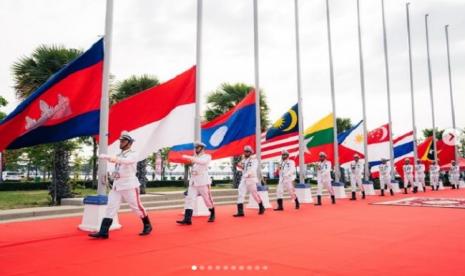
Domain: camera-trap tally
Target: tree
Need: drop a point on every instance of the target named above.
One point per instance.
(427, 132)
(127, 88)
(29, 73)
(343, 124)
(3, 102)
(226, 97)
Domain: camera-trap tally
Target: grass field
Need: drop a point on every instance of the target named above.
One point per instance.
(25, 199)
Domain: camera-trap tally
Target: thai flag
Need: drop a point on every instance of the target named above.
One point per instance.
(227, 134)
(67, 105)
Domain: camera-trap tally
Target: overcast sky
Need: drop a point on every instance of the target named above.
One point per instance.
(158, 37)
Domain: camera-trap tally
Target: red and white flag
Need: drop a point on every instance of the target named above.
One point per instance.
(271, 149)
(159, 117)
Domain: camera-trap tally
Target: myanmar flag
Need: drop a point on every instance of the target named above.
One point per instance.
(319, 138)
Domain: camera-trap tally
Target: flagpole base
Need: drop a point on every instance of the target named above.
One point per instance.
(263, 192)
(303, 192)
(94, 212)
(339, 190)
(369, 188)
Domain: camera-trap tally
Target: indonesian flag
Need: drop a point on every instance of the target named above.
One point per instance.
(156, 118)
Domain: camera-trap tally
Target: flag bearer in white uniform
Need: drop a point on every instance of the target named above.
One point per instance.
(408, 176)
(249, 181)
(434, 175)
(199, 184)
(385, 176)
(356, 175)
(286, 181)
(454, 175)
(125, 186)
(324, 178)
(420, 174)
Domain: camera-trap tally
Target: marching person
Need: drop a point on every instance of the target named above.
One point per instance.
(385, 176)
(199, 184)
(356, 175)
(286, 181)
(125, 186)
(249, 181)
(324, 178)
(420, 174)
(434, 175)
(454, 175)
(408, 176)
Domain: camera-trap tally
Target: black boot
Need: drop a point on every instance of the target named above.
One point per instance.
(187, 217)
(453, 187)
(363, 194)
(240, 210)
(297, 203)
(318, 200)
(415, 190)
(261, 208)
(405, 191)
(280, 205)
(354, 197)
(104, 228)
(382, 192)
(212, 215)
(147, 226)
(424, 189)
(333, 199)
(391, 192)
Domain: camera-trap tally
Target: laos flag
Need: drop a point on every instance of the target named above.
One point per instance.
(67, 105)
(226, 135)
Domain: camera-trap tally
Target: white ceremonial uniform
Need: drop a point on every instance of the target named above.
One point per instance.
(324, 177)
(125, 185)
(408, 176)
(434, 175)
(200, 181)
(356, 175)
(454, 175)
(286, 179)
(420, 174)
(249, 180)
(385, 176)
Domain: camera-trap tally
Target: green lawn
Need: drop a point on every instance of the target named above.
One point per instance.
(25, 199)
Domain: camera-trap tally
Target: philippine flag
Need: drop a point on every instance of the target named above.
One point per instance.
(159, 117)
(67, 105)
(350, 143)
(226, 135)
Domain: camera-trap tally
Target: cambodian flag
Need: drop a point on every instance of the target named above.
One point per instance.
(227, 134)
(67, 105)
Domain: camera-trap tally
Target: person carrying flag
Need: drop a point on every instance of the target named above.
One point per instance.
(125, 186)
(249, 181)
(434, 175)
(420, 174)
(324, 178)
(286, 181)
(385, 176)
(199, 184)
(408, 177)
(356, 175)
(454, 175)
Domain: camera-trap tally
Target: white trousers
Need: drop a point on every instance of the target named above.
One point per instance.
(434, 180)
(408, 180)
(420, 179)
(244, 188)
(356, 181)
(324, 183)
(287, 185)
(454, 180)
(385, 182)
(131, 196)
(194, 191)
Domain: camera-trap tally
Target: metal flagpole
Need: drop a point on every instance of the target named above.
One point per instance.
(299, 96)
(362, 88)
(430, 80)
(412, 94)
(333, 98)
(446, 28)
(104, 103)
(258, 130)
(388, 88)
(197, 128)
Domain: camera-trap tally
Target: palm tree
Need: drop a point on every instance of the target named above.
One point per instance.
(343, 124)
(30, 72)
(127, 88)
(226, 97)
(3, 102)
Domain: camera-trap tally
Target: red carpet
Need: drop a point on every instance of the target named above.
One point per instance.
(349, 238)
